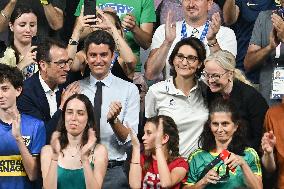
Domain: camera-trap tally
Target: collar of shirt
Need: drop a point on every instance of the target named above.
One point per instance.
(171, 88)
(45, 86)
(107, 80)
(190, 28)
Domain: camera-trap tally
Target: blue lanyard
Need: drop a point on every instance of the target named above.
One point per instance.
(183, 31)
(114, 60)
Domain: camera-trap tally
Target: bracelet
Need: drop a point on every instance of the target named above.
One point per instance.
(4, 15)
(135, 163)
(44, 2)
(213, 44)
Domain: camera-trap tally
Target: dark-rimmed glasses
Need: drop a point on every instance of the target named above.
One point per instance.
(214, 76)
(190, 59)
(63, 63)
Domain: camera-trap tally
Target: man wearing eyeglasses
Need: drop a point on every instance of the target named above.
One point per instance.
(43, 96)
(195, 24)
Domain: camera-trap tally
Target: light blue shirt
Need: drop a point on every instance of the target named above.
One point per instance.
(114, 89)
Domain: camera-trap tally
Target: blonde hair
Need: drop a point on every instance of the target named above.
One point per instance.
(227, 61)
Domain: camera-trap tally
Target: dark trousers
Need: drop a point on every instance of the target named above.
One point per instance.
(116, 178)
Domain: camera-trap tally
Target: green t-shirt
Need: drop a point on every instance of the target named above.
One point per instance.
(143, 10)
(199, 159)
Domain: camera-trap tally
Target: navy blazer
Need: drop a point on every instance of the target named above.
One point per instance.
(33, 101)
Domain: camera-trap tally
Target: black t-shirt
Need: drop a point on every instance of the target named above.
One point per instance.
(43, 26)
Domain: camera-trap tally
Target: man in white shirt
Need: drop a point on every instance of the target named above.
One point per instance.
(119, 105)
(214, 36)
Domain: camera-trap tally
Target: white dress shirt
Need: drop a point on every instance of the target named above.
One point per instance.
(50, 95)
(114, 89)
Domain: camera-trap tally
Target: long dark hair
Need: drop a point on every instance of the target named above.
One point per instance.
(18, 12)
(194, 43)
(239, 140)
(90, 123)
(170, 128)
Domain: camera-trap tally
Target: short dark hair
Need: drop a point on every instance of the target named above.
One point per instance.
(100, 37)
(90, 123)
(197, 45)
(11, 74)
(43, 49)
(239, 140)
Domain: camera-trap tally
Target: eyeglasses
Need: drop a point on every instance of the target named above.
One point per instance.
(214, 77)
(190, 59)
(226, 176)
(62, 63)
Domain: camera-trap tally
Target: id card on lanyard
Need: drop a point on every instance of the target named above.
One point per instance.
(183, 32)
(277, 90)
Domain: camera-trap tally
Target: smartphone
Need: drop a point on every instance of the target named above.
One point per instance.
(89, 7)
(35, 41)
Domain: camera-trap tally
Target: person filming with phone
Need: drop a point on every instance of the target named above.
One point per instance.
(20, 52)
(224, 138)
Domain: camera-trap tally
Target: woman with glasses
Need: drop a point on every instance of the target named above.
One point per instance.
(20, 52)
(180, 96)
(227, 82)
(224, 130)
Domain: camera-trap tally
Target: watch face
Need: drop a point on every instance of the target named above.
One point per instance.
(72, 42)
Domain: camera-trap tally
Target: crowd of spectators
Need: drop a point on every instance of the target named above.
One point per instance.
(79, 108)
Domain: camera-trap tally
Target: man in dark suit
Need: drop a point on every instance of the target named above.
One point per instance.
(42, 96)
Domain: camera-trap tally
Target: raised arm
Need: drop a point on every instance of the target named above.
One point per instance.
(158, 57)
(135, 172)
(256, 55)
(129, 59)
(230, 12)
(82, 22)
(6, 14)
(30, 163)
(49, 160)
(168, 178)
(142, 34)
(268, 142)
(54, 15)
(94, 178)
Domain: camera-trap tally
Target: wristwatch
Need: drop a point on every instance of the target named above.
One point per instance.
(44, 2)
(113, 121)
(73, 42)
(213, 44)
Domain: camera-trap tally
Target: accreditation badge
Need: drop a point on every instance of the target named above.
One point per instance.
(277, 83)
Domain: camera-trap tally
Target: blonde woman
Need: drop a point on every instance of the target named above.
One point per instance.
(225, 81)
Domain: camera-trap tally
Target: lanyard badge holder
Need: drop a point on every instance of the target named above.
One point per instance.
(277, 91)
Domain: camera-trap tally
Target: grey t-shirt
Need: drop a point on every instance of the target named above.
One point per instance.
(260, 37)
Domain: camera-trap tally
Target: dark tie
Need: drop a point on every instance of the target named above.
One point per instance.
(98, 105)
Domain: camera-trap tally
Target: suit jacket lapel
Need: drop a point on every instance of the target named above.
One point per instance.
(41, 98)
